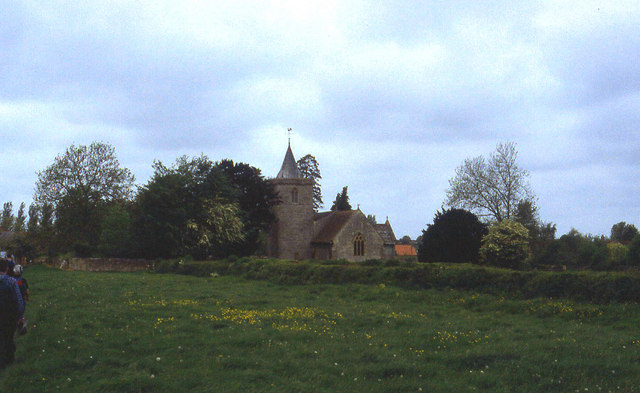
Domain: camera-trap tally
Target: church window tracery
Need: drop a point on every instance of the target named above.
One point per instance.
(294, 195)
(358, 245)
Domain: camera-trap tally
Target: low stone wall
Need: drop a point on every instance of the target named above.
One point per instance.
(106, 264)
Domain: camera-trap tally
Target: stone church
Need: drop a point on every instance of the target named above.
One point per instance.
(300, 233)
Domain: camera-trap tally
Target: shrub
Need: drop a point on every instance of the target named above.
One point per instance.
(633, 256)
(617, 253)
(506, 245)
(454, 236)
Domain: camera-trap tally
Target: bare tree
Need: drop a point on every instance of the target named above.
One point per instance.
(491, 188)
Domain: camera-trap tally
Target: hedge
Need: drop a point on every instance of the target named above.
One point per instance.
(595, 287)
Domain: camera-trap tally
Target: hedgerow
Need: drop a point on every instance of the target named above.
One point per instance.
(595, 287)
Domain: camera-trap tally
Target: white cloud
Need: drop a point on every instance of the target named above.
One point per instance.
(389, 98)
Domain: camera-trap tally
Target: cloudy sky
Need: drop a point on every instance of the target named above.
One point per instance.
(389, 96)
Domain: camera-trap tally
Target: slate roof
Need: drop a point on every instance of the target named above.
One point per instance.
(289, 169)
(386, 232)
(336, 220)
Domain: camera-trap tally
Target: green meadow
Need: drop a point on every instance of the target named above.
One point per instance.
(150, 332)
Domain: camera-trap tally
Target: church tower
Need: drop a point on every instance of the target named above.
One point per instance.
(291, 233)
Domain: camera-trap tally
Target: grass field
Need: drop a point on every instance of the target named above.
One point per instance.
(144, 332)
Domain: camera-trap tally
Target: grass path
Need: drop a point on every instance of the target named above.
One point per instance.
(142, 332)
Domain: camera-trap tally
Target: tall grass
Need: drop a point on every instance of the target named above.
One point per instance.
(145, 332)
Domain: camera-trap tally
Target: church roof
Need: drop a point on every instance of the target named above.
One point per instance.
(405, 250)
(386, 232)
(289, 169)
(336, 220)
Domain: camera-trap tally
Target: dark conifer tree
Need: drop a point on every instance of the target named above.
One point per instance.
(454, 236)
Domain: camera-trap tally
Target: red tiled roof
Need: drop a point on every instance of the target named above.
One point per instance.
(405, 250)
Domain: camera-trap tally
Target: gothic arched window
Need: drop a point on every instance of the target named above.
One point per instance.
(358, 245)
(294, 195)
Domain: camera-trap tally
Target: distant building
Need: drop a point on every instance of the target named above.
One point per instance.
(300, 233)
(406, 250)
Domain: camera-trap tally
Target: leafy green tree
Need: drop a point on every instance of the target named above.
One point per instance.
(116, 232)
(633, 255)
(505, 245)
(6, 223)
(81, 184)
(255, 197)
(406, 239)
(527, 215)
(491, 188)
(202, 209)
(617, 253)
(18, 245)
(309, 169)
(623, 232)
(32, 223)
(20, 223)
(159, 216)
(574, 250)
(547, 232)
(91, 172)
(78, 221)
(218, 225)
(45, 232)
(454, 236)
(342, 201)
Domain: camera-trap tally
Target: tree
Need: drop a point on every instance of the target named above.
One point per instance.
(80, 185)
(45, 231)
(406, 239)
(91, 172)
(6, 223)
(342, 201)
(159, 216)
(309, 169)
(491, 188)
(633, 256)
(115, 234)
(454, 236)
(32, 224)
(218, 225)
(527, 215)
(372, 219)
(255, 197)
(19, 224)
(202, 209)
(505, 245)
(623, 232)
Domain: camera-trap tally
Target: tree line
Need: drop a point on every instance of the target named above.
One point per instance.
(492, 219)
(87, 204)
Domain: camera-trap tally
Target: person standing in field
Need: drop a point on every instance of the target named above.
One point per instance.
(11, 311)
(24, 291)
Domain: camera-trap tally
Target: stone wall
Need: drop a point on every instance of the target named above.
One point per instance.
(106, 264)
(373, 243)
(291, 234)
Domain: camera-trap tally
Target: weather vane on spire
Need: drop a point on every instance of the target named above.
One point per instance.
(289, 131)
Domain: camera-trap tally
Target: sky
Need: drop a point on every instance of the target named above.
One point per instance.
(389, 96)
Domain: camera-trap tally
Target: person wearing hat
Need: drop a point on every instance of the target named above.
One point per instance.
(11, 311)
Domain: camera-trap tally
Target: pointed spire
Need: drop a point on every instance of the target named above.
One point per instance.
(289, 169)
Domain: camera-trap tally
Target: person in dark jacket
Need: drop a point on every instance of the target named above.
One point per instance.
(24, 291)
(11, 311)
